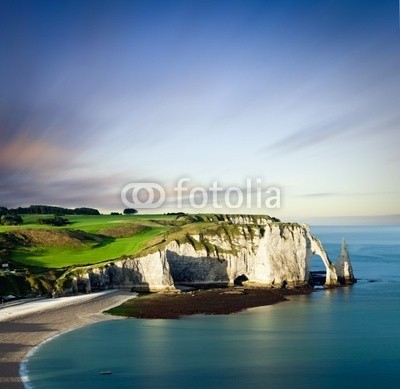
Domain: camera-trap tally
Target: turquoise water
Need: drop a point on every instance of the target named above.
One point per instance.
(347, 337)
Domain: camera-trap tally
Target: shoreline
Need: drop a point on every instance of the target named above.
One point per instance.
(25, 327)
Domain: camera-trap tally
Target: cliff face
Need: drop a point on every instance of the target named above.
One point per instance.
(271, 255)
(261, 253)
(148, 273)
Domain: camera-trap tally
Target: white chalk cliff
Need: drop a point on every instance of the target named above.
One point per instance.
(263, 253)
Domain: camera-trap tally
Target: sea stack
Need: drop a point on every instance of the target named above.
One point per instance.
(343, 266)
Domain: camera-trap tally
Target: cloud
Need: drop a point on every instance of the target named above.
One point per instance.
(314, 134)
(100, 191)
(318, 195)
(23, 153)
(42, 171)
(351, 126)
(337, 194)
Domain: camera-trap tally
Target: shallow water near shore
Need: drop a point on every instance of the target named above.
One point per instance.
(345, 337)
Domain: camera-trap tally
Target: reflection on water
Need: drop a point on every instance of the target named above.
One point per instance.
(332, 338)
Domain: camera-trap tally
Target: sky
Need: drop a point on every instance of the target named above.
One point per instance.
(300, 95)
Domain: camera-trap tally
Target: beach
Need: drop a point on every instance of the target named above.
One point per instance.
(24, 326)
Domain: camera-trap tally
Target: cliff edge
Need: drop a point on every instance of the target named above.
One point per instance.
(220, 250)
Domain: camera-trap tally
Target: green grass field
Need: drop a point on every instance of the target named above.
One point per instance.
(87, 222)
(108, 249)
(86, 240)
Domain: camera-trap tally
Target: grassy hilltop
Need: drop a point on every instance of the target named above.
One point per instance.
(38, 254)
(86, 240)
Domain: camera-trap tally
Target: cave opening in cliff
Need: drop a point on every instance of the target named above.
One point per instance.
(238, 281)
(317, 271)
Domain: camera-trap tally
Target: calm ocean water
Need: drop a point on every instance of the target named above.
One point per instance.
(342, 338)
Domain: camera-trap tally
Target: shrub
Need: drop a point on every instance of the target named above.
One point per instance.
(11, 220)
(3, 211)
(130, 211)
(56, 221)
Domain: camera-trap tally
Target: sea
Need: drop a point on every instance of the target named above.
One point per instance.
(347, 337)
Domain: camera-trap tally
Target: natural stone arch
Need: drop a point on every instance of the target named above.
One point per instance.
(315, 270)
(331, 274)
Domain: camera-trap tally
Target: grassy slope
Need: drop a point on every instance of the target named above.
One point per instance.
(108, 249)
(87, 223)
(103, 247)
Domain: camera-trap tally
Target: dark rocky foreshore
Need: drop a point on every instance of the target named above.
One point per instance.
(216, 301)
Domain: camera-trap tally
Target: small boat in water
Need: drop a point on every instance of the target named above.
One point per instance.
(106, 372)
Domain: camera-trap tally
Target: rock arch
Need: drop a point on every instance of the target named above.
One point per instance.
(331, 274)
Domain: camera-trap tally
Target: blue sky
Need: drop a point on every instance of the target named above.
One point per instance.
(301, 94)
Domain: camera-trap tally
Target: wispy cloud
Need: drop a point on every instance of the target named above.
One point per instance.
(99, 191)
(337, 194)
(360, 123)
(22, 153)
(324, 130)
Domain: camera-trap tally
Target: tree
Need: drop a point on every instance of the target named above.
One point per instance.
(86, 211)
(49, 209)
(130, 211)
(3, 211)
(10, 220)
